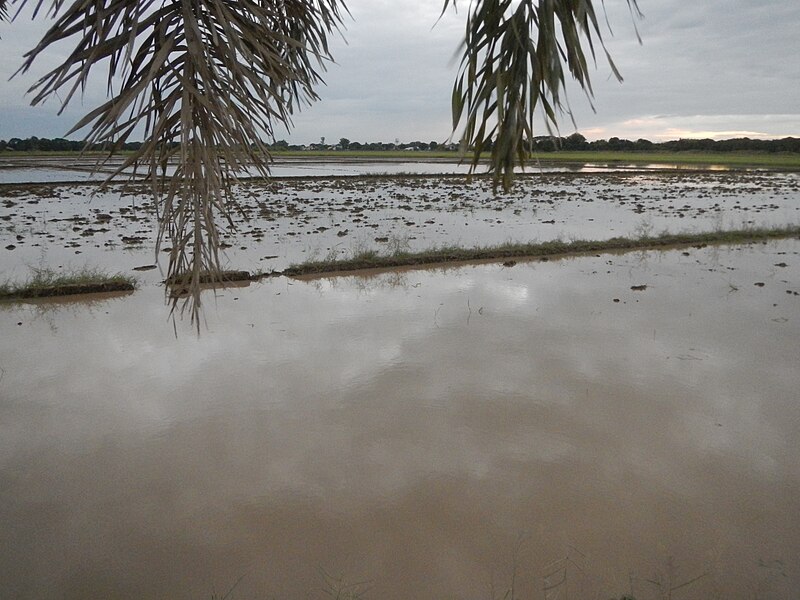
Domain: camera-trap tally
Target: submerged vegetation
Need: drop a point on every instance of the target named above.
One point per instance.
(47, 283)
(372, 259)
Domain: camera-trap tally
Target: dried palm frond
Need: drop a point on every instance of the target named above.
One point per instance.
(206, 81)
(513, 62)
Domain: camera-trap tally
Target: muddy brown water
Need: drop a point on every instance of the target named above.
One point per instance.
(420, 434)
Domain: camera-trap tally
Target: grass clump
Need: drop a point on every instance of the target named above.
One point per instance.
(449, 254)
(727, 159)
(47, 283)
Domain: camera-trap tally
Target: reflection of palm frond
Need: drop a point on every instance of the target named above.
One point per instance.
(513, 63)
(205, 80)
(339, 589)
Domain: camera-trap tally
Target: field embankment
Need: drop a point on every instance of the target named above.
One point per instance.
(372, 259)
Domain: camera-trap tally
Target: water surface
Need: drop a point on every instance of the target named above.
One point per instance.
(433, 433)
(42, 168)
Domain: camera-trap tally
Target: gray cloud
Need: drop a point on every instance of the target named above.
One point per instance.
(713, 68)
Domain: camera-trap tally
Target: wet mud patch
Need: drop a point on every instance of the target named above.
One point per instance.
(209, 277)
(69, 290)
(178, 286)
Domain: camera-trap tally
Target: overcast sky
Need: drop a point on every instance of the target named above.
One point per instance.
(710, 68)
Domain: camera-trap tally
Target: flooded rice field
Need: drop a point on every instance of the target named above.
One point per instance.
(293, 220)
(40, 169)
(53, 169)
(592, 427)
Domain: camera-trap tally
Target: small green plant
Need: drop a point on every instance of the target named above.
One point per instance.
(365, 255)
(398, 244)
(644, 230)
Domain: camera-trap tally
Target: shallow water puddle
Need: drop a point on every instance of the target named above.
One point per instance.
(434, 434)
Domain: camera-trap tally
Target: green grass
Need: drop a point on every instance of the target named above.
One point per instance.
(728, 159)
(47, 283)
(370, 259)
(694, 158)
(56, 153)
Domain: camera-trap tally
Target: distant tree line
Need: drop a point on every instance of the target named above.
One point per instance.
(574, 142)
(346, 144)
(36, 144)
(577, 142)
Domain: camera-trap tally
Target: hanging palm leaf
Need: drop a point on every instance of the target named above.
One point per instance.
(205, 81)
(515, 56)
